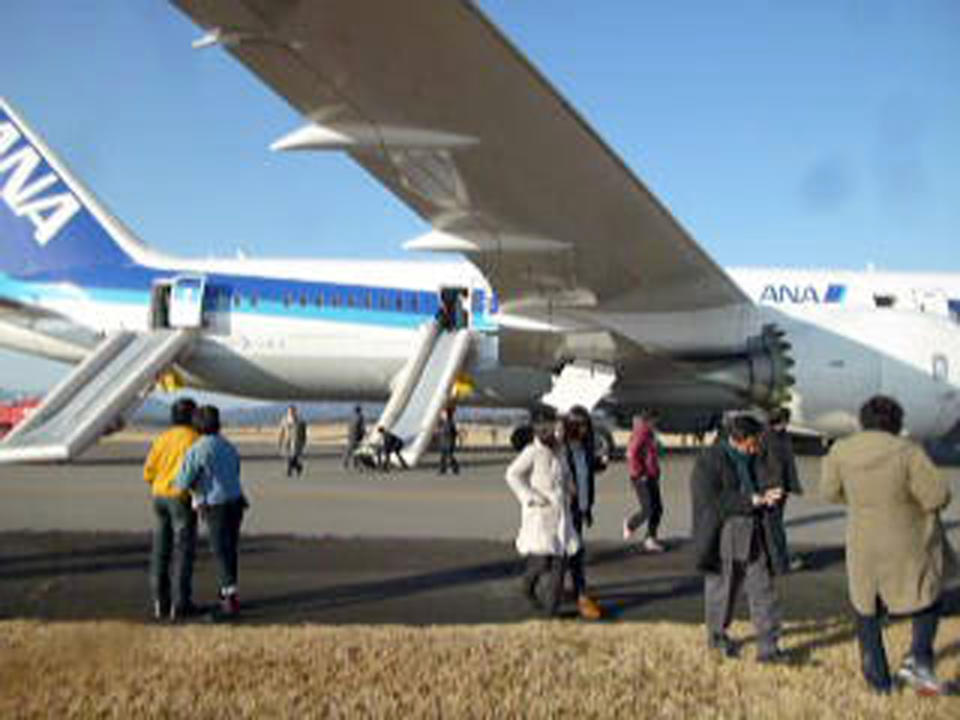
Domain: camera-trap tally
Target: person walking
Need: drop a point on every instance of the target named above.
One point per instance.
(175, 527)
(583, 464)
(211, 472)
(731, 524)
(896, 544)
(356, 431)
(643, 465)
(292, 440)
(448, 442)
(539, 477)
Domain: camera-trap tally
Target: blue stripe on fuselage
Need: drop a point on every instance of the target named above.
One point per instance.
(248, 295)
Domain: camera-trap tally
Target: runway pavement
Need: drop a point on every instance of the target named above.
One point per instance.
(412, 547)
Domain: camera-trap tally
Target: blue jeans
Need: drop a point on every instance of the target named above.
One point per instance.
(175, 530)
(873, 655)
(223, 522)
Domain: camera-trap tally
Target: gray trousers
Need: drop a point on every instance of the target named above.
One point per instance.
(546, 570)
(722, 589)
(175, 528)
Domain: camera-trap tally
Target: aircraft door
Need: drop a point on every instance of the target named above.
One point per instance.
(454, 312)
(186, 301)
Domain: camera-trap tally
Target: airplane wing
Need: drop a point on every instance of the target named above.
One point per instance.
(433, 100)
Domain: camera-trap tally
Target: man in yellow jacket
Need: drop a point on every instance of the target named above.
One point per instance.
(176, 521)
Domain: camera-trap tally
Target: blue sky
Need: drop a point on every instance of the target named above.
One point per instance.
(823, 133)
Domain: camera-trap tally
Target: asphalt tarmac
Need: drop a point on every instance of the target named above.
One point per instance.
(408, 547)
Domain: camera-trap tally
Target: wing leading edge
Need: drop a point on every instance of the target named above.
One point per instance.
(429, 97)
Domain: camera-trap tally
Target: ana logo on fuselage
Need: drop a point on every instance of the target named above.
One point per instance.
(26, 195)
(802, 294)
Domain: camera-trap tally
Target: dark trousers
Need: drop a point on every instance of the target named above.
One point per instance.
(383, 458)
(175, 531)
(722, 589)
(223, 522)
(294, 466)
(873, 655)
(576, 562)
(545, 570)
(651, 505)
(447, 458)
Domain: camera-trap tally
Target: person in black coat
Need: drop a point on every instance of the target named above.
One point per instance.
(584, 464)
(390, 445)
(448, 443)
(778, 468)
(733, 527)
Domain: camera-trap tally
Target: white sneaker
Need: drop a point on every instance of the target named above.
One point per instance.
(651, 545)
(920, 678)
(626, 529)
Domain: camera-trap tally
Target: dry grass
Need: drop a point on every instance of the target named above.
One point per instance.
(560, 669)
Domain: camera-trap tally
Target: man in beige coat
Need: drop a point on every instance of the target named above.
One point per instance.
(895, 541)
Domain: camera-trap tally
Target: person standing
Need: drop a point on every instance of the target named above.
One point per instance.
(211, 472)
(731, 520)
(643, 465)
(175, 528)
(779, 469)
(356, 431)
(292, 440)
(583, 464)
(895, 540)
(539, 477)
(448, 442)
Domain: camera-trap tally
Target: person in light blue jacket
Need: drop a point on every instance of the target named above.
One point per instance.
(211, 472)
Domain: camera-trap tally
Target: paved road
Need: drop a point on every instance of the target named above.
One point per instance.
(333, 546)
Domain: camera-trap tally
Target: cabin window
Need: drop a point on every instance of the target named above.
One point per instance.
(319, 300)
(303, 299)
(399, 301)
(254, 299)
(884, 300)
(287, 299)
(368, 300)
(237, 299)
(351, 300)
(415, 302)
(941, 368)
(335, 299)
(384, 300)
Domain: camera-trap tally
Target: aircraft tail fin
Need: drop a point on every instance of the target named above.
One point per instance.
(48, 220)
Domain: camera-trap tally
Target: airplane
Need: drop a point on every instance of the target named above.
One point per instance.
(558, 295)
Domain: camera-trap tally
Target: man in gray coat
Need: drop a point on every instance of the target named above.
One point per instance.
(292, 440)
(732, 517)
(895, 540)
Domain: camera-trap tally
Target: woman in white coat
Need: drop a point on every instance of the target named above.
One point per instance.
(540, 478)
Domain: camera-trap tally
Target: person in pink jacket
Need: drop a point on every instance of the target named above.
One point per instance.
(643, 464)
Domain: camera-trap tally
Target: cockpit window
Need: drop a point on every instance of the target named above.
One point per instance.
(884, 300)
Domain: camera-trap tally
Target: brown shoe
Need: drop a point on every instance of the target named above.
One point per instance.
(588, 608)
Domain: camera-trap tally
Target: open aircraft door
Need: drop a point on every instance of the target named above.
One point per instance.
(186, 301)
(455, 308)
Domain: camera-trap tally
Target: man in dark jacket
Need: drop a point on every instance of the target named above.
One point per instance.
(778, 468)
(732, 527)
(355, 433)
(448, 442)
